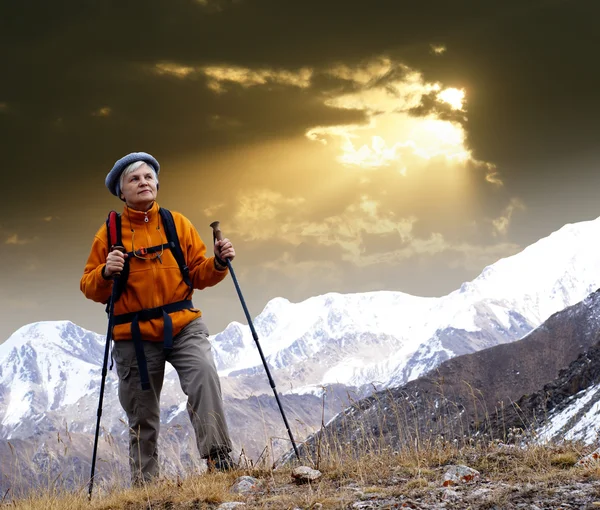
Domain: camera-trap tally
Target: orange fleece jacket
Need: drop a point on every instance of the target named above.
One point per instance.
(150, 283)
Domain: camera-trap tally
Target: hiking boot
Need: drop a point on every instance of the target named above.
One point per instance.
(220, 461)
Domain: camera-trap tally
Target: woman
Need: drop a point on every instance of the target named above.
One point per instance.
(155, 320)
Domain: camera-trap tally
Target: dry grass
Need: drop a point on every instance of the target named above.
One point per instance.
(383, 475)
(368, 469)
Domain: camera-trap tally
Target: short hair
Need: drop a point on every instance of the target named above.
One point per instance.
(131, 168)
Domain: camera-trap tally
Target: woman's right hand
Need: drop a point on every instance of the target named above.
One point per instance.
(115, 262)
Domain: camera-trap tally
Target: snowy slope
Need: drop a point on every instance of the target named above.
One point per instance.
(578, 421)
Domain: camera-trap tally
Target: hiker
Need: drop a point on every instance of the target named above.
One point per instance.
(163, 259)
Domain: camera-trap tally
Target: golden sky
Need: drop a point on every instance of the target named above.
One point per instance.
(344, 146)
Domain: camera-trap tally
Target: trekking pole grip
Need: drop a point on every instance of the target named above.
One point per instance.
(217, 234)
(122, 249)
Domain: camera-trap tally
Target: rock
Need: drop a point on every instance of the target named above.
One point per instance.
(458, 475)
(450, 495)
(246, 485)
(304, 474)
(481, 495)
(230, 505)
(376, 504)
(590, 461)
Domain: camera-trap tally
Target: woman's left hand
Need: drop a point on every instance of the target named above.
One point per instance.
(224, 250)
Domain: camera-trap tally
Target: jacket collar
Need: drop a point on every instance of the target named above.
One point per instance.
(139, 218)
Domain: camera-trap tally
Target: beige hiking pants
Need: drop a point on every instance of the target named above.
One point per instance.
(192, 359)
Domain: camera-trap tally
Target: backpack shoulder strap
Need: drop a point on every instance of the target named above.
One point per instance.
(172, 237)
(113, 231)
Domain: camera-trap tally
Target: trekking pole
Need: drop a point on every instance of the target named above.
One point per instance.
(111, 314)
(218, 235)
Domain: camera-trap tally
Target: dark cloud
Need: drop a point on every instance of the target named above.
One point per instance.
(525, 65)
(532, 109)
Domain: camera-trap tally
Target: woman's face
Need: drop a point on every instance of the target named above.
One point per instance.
(139, 188)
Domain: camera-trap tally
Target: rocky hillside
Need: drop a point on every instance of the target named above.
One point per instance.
(474, 393)
(565, 409)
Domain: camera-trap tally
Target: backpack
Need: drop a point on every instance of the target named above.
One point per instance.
(113, 229)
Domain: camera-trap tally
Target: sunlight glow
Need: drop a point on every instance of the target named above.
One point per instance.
(454, 97)
(375, 155)
(388, 93)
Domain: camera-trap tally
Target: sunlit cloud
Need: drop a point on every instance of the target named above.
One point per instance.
(362, 74)
(438, 49)
(265, 215)
(384, 96)
(374, 155)
(220, 75)
(210, 211)
(14, 239)
(502, 223)
(424, 138)
(492, 176)
(172, 69)
(104, 111)
(348, 228)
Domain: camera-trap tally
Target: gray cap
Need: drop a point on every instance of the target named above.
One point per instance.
(113, 177)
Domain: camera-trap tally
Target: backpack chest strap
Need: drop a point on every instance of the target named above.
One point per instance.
(142, 252)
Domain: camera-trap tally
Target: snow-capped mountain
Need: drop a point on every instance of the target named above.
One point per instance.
(389, 338)
(44, 367)
(50, 373)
